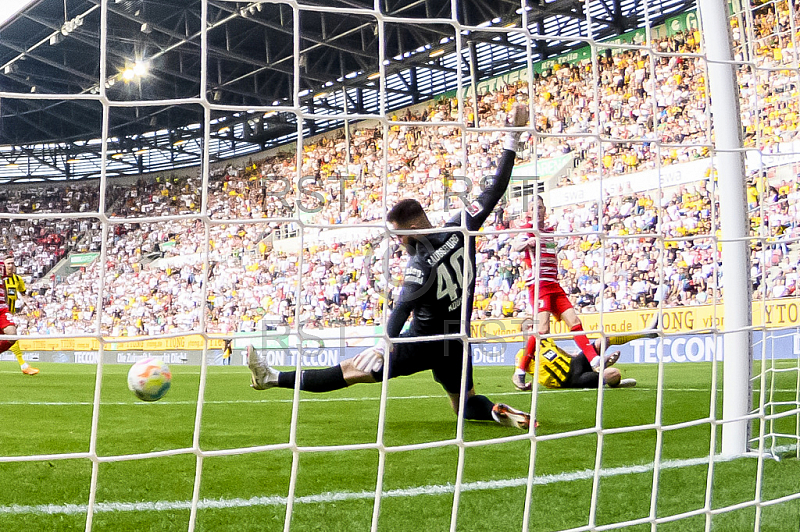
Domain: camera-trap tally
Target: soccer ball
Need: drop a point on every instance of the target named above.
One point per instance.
(149, 379)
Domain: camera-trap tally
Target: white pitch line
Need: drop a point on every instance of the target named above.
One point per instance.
(89, 374)
(441, 489)
(226, 402)
(329, 399)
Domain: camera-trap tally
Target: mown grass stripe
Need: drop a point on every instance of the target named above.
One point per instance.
(441, 489)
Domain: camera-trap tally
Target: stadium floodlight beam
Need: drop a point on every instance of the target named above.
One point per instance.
(724, 93)
(140, 68)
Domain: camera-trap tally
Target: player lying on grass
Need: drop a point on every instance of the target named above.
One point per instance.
(433, 293)
(558, 369)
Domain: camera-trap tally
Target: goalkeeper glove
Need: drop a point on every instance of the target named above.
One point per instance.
(370, 360)
(517, 117)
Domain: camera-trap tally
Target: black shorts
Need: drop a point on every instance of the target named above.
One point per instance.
(442, 357)
(581, 374)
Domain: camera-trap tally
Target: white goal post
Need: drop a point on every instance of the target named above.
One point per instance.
(724, 93)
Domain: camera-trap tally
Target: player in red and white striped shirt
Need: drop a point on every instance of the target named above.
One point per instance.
(552, 299)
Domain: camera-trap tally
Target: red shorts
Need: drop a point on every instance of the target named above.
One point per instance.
(5, 320)
(552, 299)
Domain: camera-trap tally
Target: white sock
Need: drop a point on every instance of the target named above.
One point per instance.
(519, 371)
(24, 366)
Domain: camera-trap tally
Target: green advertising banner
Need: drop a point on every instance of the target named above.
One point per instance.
(77, 260)
(541, 168)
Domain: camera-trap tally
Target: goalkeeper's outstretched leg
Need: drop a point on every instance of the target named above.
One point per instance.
(368, 367)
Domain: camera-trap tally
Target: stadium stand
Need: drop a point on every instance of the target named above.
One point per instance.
(156, 286)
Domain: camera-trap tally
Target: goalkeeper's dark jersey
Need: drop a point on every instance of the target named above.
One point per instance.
(433, 286)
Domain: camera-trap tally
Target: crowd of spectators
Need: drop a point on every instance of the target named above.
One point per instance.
(610, 255)
(39, 244)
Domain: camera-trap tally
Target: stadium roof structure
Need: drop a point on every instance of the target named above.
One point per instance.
(154, 54)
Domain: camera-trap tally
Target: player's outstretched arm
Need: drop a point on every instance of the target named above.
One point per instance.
(482, 207)
(399, 316)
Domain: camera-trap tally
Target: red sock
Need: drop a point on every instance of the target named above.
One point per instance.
(530, 350)
(5, 345)
(584, 343)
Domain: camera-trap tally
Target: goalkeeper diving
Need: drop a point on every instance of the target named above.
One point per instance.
(433, 294)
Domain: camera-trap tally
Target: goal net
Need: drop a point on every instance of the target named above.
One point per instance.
(251, 205)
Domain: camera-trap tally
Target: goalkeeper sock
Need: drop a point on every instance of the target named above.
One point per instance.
(478, 407)
(18, 353)
(5, 345)
(586, 347)
(314, 380)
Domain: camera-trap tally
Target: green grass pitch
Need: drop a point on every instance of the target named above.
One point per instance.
(51, 414)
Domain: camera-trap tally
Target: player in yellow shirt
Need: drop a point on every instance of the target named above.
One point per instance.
(558, 369)
(15, 289)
